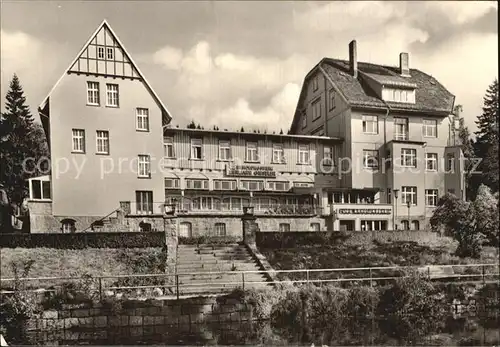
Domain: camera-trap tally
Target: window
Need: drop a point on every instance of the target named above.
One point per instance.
(112, 95)
(278, 153)
(408, 157)
(172, 183)
(405, 224)
(409, 194)
(431, 197)
(450, 158)
(100, 52)
(389, 196)
(304, 120)
(168, 147)
(224, 150)
(316, 109)
(252, 152)
(220, 229)
(370, 225)
(303, 154)
(277, 186)
(370, 159)
(40, 189)
(196, 149)
(315, 83)
(102, 142)
(79, 140)
(327, 155)
(430, 128)
(303, 184)
(431, 161)
(314, 227)
(284, 227)
(196, 183)
(370, 125)
(415, 225)
(144, 169)
(332, 99)
(68, 225)
(110, 53)
(145, 227)
(142, 116)
(93, 93)
(144, 201)
(224, 185)
(252, 185)
(400, 128)
(185, 230)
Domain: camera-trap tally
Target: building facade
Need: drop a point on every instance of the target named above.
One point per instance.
(398, 132)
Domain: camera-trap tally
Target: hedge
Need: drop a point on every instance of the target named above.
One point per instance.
(210, 240)
(84, 240)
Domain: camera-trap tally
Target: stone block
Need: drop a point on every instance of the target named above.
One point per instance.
(184, 320)
(136, 331)
(159, 320)
(125, 320)
(171, 320)
(153, 311)
(225, 317)
(80, 313)
(211, 317)
(51, 314)
(86, 322)
(135, 320)
(100, 321)
(70, 322)
(235, 317)
(114, 321)
(196, 318)
(148, 320)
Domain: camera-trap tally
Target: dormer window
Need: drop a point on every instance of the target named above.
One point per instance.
(398, 95)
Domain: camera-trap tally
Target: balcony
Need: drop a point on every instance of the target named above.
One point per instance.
(345, 210)
(147, 209)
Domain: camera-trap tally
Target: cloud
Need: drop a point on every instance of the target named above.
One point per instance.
(169, 57)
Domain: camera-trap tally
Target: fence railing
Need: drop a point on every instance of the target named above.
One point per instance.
(180, 284)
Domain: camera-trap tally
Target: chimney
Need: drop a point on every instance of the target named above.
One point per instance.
(404, 64)
(353, 59)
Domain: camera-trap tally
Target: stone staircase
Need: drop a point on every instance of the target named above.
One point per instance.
(204, 260)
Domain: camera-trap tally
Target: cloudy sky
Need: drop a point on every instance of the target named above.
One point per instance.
(243, 63)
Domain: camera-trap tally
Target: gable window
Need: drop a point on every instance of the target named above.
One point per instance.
(327, 155)
(332, 99)
(284, 227)
(110, 53)
(430, 128)
(100, 52)
(315, 83)
(112, 95)
(102, 137)
(192, 183)
(196, 149)
(168, 147)
(252, 185)
(370, 125)
(78, 139)
(409, 194)
(224, 150)
(172, 183)
(370, 159)
(252, 152)
(220, 229)
(224, 185)
(431, 161)
(40, 190)
(93, 93)
(316, 109)
(144, 201)
(303, 154)
(277, 186)
(409, 157)
(144, 167)
(400, 128)
(431, 197)
(304, 120)
(142, 117)
(278, 153)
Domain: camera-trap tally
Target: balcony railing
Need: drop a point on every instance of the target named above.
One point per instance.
(152, 208)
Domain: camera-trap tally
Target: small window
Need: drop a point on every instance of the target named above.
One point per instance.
(327, 155)
(405, 224)
(252, 185)
(389, 195)
(316, 109)
(220, 229)
(408, 157)
(224, 185)
(430, 128)
(145, 227)
(315, 83)
(278, 153)
(304, 120)
(284, 227)
(370, 159)
(144, 169)
(401, 128)
(102, 138)
(93, 93)
(252, 152)
(168, 147)
(431, 161)
(450, 159)
(112, 95)
(172, 183)
(196, 149)
(78, 139)
(315, 227)
(224, 150)
(370, 125)
(409, 194)
(431, 197)
(68, 225)
(277, 186)
(40, 190)
(142, 116)
(100, 52)
(110, 53)
(303, 154)
(144, 202)
(415, 225)
(196, 184)
(332, 99)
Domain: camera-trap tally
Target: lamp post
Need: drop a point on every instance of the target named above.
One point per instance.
(394, 226)
(408, 205)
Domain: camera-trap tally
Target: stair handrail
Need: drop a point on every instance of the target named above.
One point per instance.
(100, 220)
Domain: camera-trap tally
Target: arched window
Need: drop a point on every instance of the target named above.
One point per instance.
(185, 229)
(144, 227)
(68, 225)
(220, 229)
(415, 225)
(405, 224)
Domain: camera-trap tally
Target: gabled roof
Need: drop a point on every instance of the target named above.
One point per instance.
(136, 72)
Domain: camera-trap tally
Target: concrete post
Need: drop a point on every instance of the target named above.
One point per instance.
(250, 227)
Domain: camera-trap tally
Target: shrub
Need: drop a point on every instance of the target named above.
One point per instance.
(363, 301)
